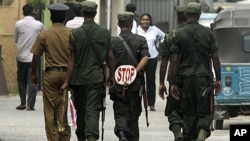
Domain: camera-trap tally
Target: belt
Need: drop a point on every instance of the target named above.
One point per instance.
(58, 69)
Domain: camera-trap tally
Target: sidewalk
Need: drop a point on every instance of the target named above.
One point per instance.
(22, 125)
(25, 125)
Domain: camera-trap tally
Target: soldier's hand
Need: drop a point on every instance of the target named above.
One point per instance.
(175, 92)
(217, 87)
(111, 81)
(64, 87)
(162, 90)
(35, 79)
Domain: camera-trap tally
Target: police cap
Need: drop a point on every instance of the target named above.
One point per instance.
(58, 7)
(89, 6)
(125, 18)
(193, 7)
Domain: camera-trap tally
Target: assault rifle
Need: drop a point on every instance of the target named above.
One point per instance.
(103, 99)
(145, 100)
(211, 83)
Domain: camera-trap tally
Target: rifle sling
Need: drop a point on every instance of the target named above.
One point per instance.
(91, 45)
(128, 50)
(196, 49)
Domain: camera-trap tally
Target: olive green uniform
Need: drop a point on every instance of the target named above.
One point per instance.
(87, 76)
(172, 109)
(193, 77)
(54, 43)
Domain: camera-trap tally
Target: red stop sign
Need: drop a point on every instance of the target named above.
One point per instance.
(125, 73)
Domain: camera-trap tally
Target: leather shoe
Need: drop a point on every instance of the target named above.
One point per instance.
(30, 109)
(21, 107)
(123, 139)
(152, 108)
(179, 138)
(122, 136)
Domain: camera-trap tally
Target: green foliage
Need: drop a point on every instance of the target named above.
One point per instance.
(36, 2)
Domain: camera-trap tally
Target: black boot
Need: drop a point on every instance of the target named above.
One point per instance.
(91, 138)
(176, 129)
(202, 135)
(122, 136)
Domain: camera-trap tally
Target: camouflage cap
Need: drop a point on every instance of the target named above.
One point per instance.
(180, 8)
(125, 18)
(193, 7)
(89, 6)
(59, 7)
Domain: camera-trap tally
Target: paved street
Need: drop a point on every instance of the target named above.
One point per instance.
(25, 125)
(29, 125)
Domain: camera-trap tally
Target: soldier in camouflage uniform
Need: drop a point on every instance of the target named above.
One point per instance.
(192, 49)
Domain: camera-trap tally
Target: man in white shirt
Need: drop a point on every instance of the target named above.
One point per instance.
(130, 8)
(26, 31)
(78, 19)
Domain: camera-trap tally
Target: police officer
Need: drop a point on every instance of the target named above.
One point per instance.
(172, 110)
(54, 43)
(127, 103)
(90, 46)
(192, 49)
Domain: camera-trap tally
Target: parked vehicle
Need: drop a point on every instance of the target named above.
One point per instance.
(207, 18)
(232, 34)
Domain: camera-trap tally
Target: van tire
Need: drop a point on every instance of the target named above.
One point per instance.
(218, 124)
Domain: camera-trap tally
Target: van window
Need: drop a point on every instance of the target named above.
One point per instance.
(247, 43)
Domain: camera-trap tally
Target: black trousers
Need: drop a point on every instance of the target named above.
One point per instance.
(25, 85)
(150, 70)
(127, 110)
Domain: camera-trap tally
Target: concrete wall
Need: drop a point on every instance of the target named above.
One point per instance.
(117, 6)
(8, 17)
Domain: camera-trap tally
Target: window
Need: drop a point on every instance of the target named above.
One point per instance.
(6, 2)
(247, 43)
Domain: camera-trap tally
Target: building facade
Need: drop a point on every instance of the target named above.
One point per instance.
(162, 12)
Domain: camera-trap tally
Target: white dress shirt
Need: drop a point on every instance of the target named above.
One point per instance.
(26, 31)
(74, 23)
(153, 36)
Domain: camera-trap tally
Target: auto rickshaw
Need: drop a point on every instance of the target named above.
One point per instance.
(231, 29)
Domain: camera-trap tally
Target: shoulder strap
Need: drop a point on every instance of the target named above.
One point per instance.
(91, 45)
(128, 50)
(196, 49)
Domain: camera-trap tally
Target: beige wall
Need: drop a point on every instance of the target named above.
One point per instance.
(117, 6)
(8, 17)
